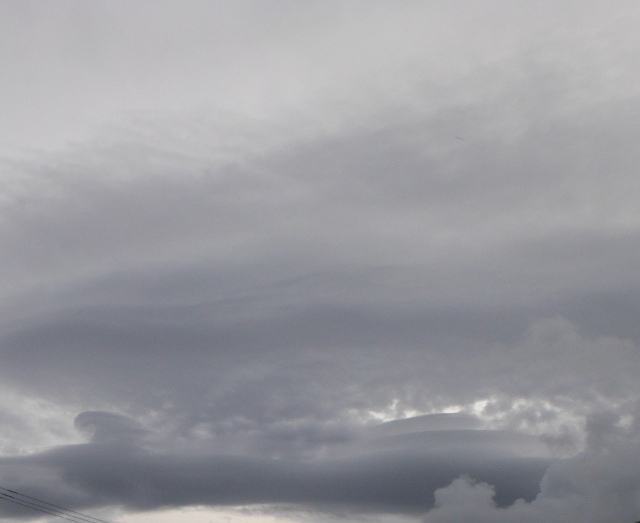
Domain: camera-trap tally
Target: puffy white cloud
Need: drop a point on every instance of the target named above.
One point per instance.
(593, 486)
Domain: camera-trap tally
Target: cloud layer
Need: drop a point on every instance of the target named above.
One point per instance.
(231, 295)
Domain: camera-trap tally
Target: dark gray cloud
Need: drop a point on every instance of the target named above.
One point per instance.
(122, 465)
(233, 300)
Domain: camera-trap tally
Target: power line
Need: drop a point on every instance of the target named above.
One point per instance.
(47, 508)
(54, 507)
(44, 511)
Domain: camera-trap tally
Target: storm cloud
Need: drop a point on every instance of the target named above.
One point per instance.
(365, 260)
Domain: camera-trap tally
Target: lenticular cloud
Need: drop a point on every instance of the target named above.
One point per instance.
(374, 261)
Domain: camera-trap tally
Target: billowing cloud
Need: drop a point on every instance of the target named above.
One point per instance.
(591, 487)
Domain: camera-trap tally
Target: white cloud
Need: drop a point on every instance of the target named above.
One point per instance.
(591, 487)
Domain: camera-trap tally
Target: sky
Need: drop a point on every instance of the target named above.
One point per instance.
(284, 262)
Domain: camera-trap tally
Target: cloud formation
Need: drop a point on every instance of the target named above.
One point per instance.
(120, 467)
(234, 296)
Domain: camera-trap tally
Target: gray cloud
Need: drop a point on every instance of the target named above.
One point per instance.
(118, 467)
(233, 299)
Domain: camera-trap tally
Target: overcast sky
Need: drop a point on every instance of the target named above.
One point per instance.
(285, 261)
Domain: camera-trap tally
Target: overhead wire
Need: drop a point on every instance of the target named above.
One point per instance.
(44, 511)
(47, 508)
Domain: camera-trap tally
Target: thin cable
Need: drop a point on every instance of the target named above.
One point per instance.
(47, 504)
(44, 511)
(47, 508)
